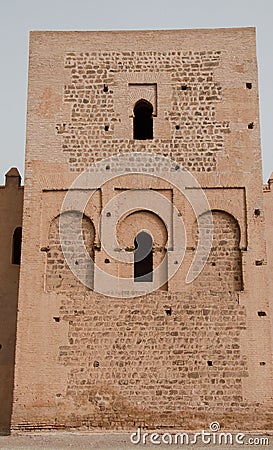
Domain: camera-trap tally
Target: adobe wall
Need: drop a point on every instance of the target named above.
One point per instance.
(11, 210)
(104, 355)
(268, 193)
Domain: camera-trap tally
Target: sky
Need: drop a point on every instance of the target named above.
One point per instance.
(18, 17)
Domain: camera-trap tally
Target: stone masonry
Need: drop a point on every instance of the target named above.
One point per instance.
(96, 347)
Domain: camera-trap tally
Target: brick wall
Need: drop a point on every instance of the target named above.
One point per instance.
(178, 356)
(59, 277)
(195, 134)
(223, 270)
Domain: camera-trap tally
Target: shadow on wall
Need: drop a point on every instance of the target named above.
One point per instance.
(7, 380)
(8, 321)
(11, 201)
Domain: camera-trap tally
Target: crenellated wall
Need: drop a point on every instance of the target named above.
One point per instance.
(11, 207)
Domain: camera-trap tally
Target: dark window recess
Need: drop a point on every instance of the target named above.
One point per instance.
(249, 85)
(184, 87)
(261, 313)
(250, 126)
(105, 88)
(107, 261)
(0, 346)
(16, 245)
(143, 120)
(177, 127)
(210, 363)
(96, 364)
(168, 311)
(106, 127)
(57, 319)
(262, 363)
(143, 258)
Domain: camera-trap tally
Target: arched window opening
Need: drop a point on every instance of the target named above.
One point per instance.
(143, 120)
(143, 258)
(16, 245)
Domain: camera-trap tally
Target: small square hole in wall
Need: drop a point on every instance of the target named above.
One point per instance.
(261, 313)
(57, 319)
(249, 85)
(184, 87)
(257, 212)
(105, 88)
(250, 126)
(1, 346)
(210, 363)
(262, 363)
(259, 262)
(106, 127)
(177, 127)
(107, 261)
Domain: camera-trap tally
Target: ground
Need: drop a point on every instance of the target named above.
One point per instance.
(105, 441)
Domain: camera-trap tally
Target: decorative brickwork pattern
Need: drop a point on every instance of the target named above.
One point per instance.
(59, 277)
(196, 136)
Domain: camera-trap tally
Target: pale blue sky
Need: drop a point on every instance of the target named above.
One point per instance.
(18, 17)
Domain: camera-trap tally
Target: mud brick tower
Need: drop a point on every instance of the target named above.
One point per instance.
(132, 134)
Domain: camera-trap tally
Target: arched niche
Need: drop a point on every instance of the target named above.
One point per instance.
(59, 276)
(223, 269)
